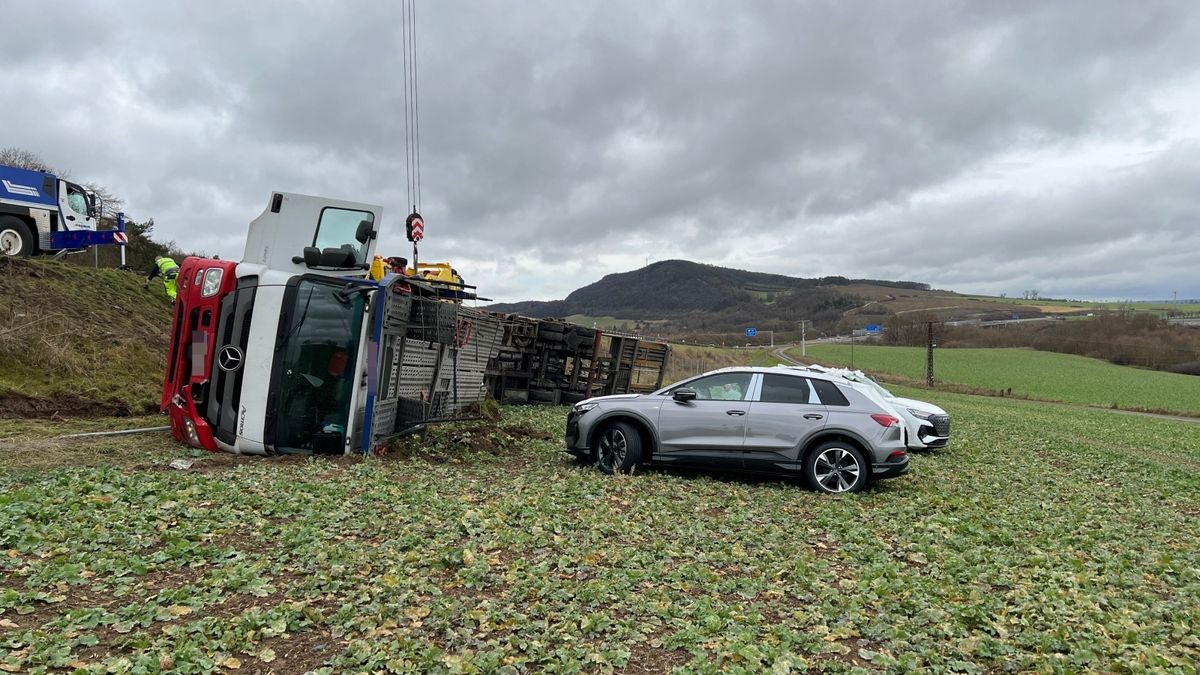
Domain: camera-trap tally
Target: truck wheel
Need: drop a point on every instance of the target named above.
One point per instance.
(15, 238)
(618, 448)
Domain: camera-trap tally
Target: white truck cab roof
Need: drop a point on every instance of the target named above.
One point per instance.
(301, 234)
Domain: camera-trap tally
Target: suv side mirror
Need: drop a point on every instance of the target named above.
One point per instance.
(684, 395)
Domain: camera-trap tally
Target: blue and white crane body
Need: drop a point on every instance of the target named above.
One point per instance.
(43, 213)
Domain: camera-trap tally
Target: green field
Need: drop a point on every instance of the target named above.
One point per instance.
(1029, 373)
(1084, 305)
(1043, 539)
(608, 322)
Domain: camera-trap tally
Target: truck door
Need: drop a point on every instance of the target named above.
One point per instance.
(75, 207)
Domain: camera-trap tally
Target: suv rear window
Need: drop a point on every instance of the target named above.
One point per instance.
(829, 393)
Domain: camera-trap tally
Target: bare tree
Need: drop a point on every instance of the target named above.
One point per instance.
(23, 159)
(109, 202)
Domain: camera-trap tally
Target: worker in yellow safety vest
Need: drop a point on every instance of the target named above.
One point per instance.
(168, 270)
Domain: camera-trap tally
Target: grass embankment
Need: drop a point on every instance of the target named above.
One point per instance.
(79, 341)
(1042, 539)
(1029, 374)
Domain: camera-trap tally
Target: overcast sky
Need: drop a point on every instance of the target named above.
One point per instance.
(978, 146)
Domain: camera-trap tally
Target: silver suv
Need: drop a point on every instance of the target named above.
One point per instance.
(761, 420)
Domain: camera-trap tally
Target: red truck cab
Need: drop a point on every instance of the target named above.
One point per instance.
(202, 284)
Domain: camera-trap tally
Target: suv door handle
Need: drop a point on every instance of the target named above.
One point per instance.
(813, 416)
(70, 217)
(735, 412)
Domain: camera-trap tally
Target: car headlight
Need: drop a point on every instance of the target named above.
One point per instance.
(919, 414)
(212, 282)
(584, 407)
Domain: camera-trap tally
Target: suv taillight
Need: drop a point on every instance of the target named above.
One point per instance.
(885, 420)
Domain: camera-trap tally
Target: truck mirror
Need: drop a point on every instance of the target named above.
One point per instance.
(365, 232)
(338, 258)
(312, 256)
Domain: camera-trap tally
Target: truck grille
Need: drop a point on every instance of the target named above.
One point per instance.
(941, 424)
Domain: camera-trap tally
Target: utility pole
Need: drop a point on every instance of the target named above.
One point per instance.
(803, 340)
(772, 338)
(851, 347)
(929, 353)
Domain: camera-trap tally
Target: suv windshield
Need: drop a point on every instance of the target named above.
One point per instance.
(314, 374)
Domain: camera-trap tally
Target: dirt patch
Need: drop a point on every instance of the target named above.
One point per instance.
(645, 657)
(154, 583)
(851, 656)
(526, 431)
(295, 652)
(444, 442)
(245, 542)
(65, 405)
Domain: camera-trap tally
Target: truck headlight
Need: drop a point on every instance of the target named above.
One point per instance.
(212, 282)
(190, 428)
(921, 415)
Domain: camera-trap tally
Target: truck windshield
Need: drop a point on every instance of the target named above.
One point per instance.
(315, 373)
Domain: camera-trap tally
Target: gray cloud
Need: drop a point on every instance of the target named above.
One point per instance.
(979, 146)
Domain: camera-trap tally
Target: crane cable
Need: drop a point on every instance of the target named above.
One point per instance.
(412, 119)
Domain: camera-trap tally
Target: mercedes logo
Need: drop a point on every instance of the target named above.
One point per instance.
(230, 358)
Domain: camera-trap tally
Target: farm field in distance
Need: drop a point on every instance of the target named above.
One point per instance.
(1030, 373)
(1043, 538)
(1051, 306)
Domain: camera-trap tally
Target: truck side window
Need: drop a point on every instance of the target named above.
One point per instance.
(337, 228)
(77, 199)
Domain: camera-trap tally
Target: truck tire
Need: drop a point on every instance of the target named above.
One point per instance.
(541, 396)
(16, 240)
(550, 331)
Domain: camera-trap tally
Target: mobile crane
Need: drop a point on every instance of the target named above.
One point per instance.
(43, 213)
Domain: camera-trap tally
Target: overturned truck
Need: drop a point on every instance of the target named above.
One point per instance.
(553, 362)
(294, 349)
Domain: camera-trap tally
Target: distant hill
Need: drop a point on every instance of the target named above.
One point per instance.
(695, 297)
